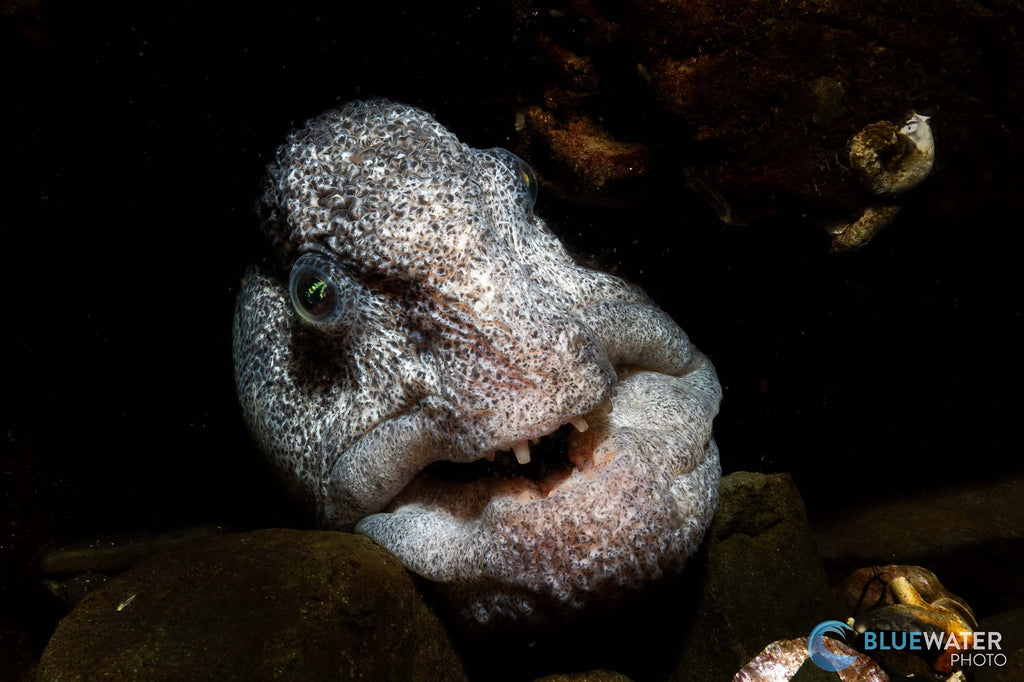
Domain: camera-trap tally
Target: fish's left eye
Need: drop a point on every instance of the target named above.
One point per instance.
(525, 180)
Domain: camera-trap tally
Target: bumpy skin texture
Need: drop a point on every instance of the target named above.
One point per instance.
(460, 326)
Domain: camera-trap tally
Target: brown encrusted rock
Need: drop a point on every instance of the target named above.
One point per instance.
(762, 101)
(588, 159)
(270, 604)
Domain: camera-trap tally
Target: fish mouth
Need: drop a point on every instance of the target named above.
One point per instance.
(596, 510)
(529, 469)
(604, 505)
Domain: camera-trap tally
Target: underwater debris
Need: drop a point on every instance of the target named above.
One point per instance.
(696, 181)
(897, 600)
(852, 236)
(784, 659)
(889, 160)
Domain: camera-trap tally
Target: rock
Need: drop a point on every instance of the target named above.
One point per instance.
(75, 569)
(270, 604)
(908, 599)
(762, 578)
(1011, 625)
(789, 660)
(73, 590)
(117, 553)
(971, 535)
(869, 588)
(586, 159)
(763, 103)
(589, 676)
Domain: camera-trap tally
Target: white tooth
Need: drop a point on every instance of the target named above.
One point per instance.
(522, 450)
(580, 423)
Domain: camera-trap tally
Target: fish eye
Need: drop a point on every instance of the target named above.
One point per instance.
(314, 296)
(523, 175)
(529, 180)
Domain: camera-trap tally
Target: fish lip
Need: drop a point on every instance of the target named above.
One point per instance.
(540, 487)
(521, 488)
(539, 431)
(539, 476)
(634, 513)
(330, 516)
(612, 351)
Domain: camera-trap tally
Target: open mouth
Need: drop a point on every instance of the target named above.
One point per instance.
(592, 513)
(601, 505)
(538, 465)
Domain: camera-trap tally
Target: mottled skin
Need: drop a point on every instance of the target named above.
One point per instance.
(460, 326)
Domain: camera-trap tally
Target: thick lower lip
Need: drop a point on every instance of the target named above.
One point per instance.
(633, 506)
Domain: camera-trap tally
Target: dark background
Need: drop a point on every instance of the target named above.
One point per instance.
(133, 144)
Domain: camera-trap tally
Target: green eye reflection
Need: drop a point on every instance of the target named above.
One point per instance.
(313, 295)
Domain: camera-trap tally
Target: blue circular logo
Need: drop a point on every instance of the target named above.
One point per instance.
(822, 657)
